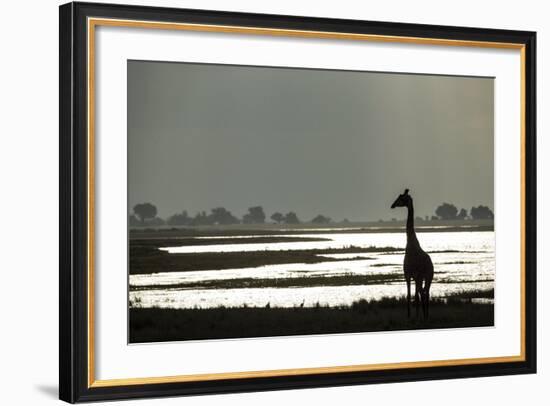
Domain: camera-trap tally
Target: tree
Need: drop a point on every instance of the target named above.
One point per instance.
(481, 213)
(277, 217)
(447, 211)
(220, 215)
(291, 218)
(255, 215)
(201, 219)
(462, 214)
(320, 219)
(179, 219)
(145, 211)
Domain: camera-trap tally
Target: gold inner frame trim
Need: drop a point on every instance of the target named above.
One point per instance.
(94, 22)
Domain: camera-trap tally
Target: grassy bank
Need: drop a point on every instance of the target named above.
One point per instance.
(154, 325)
(306, 281)
(293, 282)
(146, 258)
(306, 228)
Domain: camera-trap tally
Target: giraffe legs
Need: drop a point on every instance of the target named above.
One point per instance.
(409, 298)
(426, 297)
(418, 296)
(421, 296)
(424, 303)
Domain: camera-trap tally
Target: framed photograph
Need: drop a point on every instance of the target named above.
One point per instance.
(255, 202)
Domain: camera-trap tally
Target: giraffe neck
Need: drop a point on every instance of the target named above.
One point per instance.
(412, 241)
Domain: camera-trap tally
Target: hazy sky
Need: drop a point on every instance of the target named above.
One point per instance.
(337, 143)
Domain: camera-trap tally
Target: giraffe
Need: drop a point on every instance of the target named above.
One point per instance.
(417, 265)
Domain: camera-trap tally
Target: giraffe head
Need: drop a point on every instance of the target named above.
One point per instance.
(402, 200)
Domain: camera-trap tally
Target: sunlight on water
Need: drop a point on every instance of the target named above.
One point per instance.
(461, 241)
(472, 268)
(284, 297)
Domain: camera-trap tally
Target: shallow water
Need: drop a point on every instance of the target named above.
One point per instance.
(438, 241)
(472, 268)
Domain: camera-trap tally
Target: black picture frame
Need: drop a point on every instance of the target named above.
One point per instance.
(74, 382)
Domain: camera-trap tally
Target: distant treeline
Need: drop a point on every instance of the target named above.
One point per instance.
(146, 214)
(448, 211)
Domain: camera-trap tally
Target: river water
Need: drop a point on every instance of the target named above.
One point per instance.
(463, 261)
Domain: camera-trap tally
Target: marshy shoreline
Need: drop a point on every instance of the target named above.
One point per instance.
(387, 314)
(267, 229)
(193, 283)
(147, 256)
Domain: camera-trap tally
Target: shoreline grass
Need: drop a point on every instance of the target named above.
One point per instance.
(306, 281)
(146, 258)
(388, 314)
(293, 282)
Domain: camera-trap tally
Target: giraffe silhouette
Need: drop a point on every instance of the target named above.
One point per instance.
(417, 265)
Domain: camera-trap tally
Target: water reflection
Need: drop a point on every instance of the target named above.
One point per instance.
(464, 261)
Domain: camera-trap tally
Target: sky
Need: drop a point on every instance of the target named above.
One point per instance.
(338, 143)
